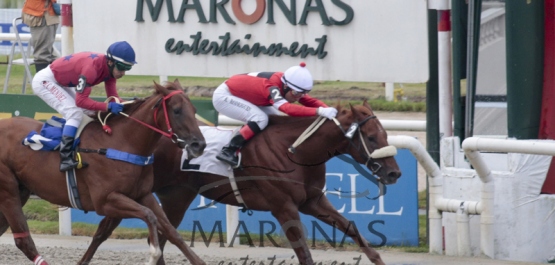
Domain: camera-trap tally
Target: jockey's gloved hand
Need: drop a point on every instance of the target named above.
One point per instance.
(115, 107)
(329, 112)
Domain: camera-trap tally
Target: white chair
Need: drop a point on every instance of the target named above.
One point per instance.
(25, 59)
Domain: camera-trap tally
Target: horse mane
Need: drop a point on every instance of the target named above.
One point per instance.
(137, 102)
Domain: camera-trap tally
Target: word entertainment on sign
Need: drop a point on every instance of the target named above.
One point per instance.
(224, 48)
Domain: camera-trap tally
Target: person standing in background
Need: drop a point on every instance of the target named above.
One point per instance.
(39, 15)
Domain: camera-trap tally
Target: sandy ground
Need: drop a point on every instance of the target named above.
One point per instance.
(68, 250)
(420, 135)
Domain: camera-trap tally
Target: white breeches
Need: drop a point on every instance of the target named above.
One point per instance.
(240, 109)
(61, 99)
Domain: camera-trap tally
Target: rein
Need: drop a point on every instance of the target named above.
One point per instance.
(307, 133)
(168, 134)
(383, 152)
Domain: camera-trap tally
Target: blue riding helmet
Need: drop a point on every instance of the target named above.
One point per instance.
(123, 54)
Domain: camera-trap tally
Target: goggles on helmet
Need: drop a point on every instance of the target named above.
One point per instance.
(122, 66)
(298, 93)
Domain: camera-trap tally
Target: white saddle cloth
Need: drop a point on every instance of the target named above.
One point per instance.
(216, 138)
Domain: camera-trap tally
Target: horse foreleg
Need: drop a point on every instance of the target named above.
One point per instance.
(11, 207)
(3, 224)
(24, 195)
(175, 200)
(104, 230)
(289, 219)
(120, 206)
(169, 231)
(324, 211)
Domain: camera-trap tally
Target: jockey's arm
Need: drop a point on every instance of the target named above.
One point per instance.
(295, 109)
(82, 100)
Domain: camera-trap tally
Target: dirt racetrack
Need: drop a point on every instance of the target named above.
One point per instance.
(64, 250)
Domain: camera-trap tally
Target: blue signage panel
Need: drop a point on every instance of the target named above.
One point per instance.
(387, 219)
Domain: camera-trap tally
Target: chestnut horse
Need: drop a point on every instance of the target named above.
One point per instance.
(112, 188)
(292, 183)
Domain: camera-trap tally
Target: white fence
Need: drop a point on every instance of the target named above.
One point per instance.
(487, 199)
(392, 125)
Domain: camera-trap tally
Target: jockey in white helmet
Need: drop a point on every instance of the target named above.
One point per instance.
(252, 97)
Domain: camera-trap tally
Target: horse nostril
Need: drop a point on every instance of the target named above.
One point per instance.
(198, 146)
(394, 175)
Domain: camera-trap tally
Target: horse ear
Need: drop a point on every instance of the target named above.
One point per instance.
(178, 84)
(366, 105)
(353, 109)
(160, 89)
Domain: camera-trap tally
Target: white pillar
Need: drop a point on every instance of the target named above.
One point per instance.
(232, 222)
(66, 18)
(444, 74)
(64, 217)
(445, 109)
(64, 213)
(463, 233)
(389, 90)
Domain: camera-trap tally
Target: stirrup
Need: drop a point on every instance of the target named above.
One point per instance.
(229, 162)
(239, 156)
(80, 163)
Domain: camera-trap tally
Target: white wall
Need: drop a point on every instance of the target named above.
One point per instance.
(385, 42)
(523, 217)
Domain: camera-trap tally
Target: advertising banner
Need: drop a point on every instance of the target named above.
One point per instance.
(348, 40)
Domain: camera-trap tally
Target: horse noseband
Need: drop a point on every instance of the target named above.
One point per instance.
(175, 139)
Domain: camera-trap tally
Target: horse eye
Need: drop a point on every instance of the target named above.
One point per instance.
(177, 111)
(371, 139)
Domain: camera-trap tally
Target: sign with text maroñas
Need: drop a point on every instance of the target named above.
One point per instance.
(350, 40)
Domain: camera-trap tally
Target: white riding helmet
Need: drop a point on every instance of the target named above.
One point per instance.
(298, 78)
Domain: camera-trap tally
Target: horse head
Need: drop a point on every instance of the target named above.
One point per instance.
(368, 142)
(178, 113)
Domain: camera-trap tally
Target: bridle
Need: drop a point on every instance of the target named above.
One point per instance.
(386, 151)
(173, 136)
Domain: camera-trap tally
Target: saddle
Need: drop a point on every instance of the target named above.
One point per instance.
(49, 139)
(216, 138)
(50, 135)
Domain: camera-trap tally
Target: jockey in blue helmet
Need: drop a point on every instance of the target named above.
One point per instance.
(66, 84)
(122, 54)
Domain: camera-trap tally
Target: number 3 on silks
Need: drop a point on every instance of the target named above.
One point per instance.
(82, 83)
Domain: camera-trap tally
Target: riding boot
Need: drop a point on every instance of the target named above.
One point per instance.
(229, 152)
(67, 153)
(40, 66)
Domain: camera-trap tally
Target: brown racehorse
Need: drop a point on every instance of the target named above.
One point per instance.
(112, 188)
(292, 183)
